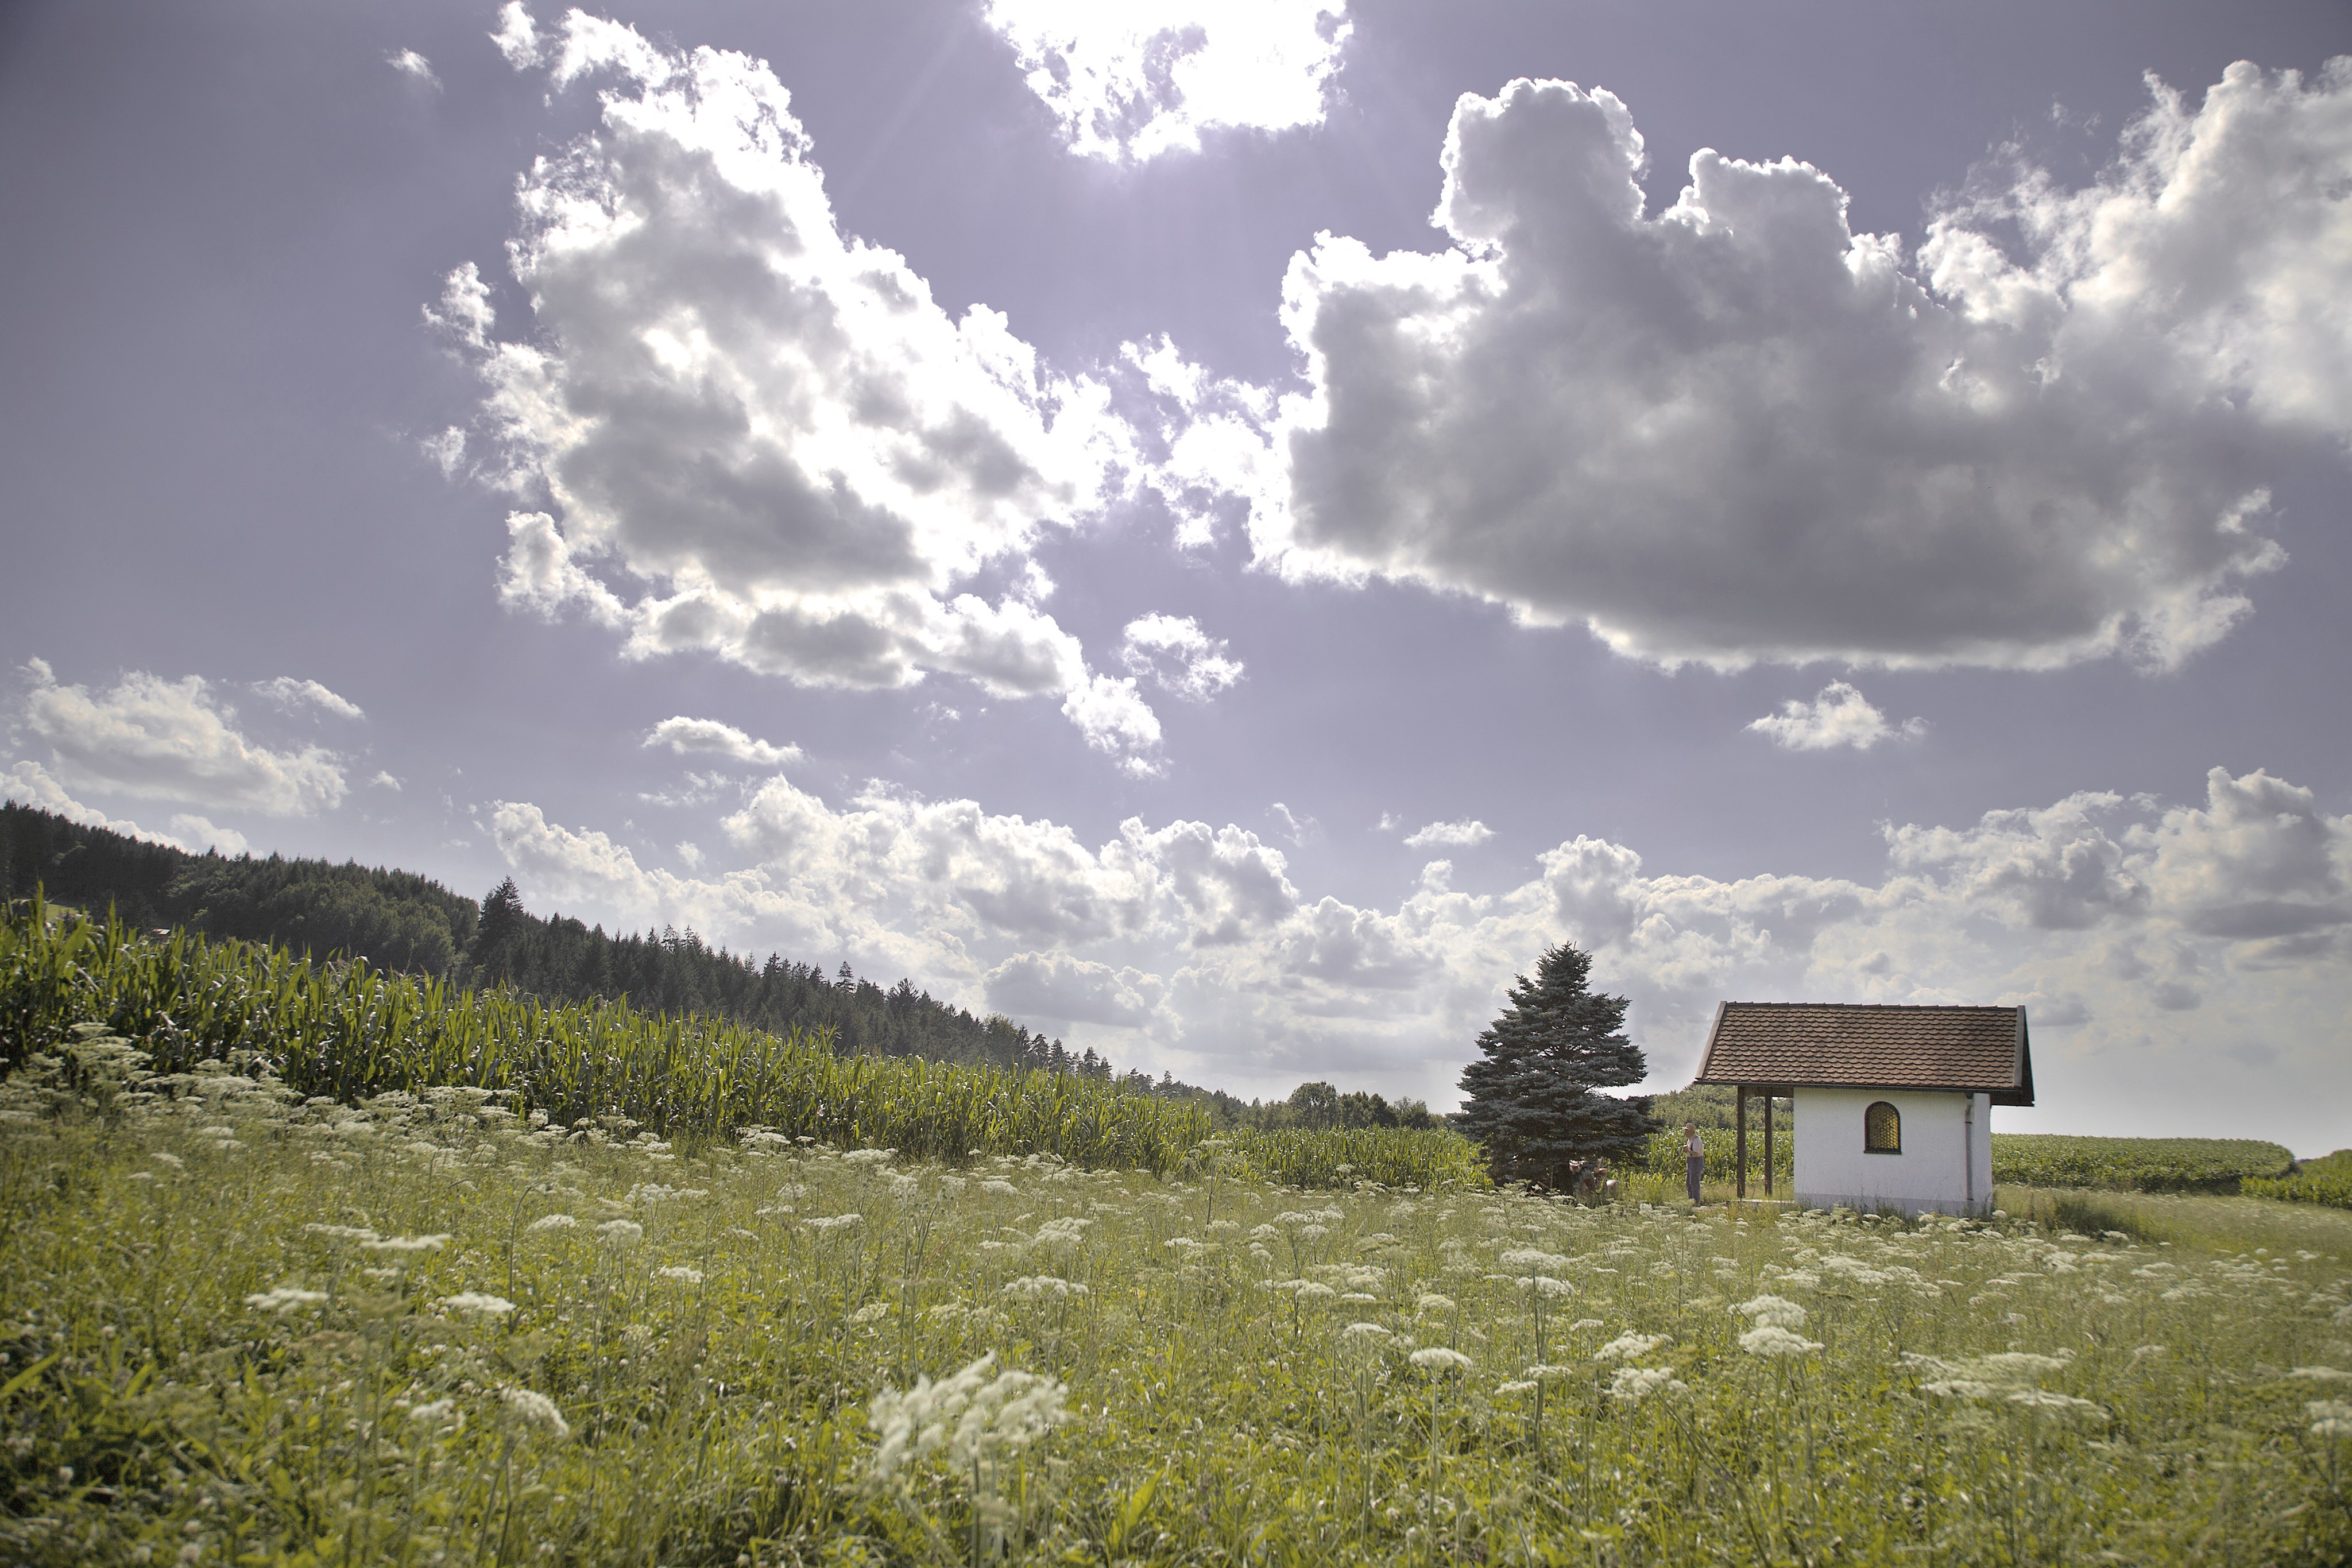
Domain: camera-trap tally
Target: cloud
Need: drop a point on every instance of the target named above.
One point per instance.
(1462, 835)
(1176, 654)
(1839, 715)
(1735, 430)
(518, 35)
(539, 574)
(1063, 989)
(1297, 828)
(1130, 82)
(27, 783)
(171, 740)
(1114, 717)
(409, 63)
(445, 450)
(2132, 931)
(683, 735)
(199, 835)
(290, 694)
(757, 437)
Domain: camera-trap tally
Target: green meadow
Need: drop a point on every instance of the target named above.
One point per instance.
(311, 1265)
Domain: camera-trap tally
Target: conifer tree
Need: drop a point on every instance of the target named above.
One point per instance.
(1533, 1099)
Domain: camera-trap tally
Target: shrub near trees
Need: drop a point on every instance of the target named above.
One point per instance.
(1534, 1098)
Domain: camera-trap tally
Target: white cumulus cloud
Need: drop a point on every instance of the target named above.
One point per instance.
(1467, 834)
(683, 735)
(1133, 80)
(1176, 654)
(173, 740)
(1063, 989)
(1839, 716)
(759, 438)
(1736, 430)
(409, 63)
(289, 694)
(2143, 938)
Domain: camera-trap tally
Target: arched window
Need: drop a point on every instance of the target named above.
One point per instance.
(1881, 1129)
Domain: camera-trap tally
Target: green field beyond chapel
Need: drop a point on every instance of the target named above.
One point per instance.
(313, 1265)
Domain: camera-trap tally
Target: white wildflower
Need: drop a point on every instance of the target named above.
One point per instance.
(2329, 1418)
(1436, 1358)
(621, 1233)
(284, 1298)
(537, 1409)
(476, 1302)
(1771, 1340)
(1581, 1325)
(1630, 1347)
(551, 1222)
(1433, 1303)
(1773, 1312)
(1038, 1287)
(836, 1222)
(1518, 1386)
(440, 1412)
(407, 1244)
(1000, 1188)
(1366, 1333)
(2060, 1404)
(873, 1311)
(340, 1232)
(2321, 1375)
(1631, 1384)
(680, 1272)
(970, 1417)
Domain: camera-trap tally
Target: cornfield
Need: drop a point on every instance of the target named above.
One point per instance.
(349, 1032)
(2218, 1166)
(1664, 1156)
(2327, 1180)
(2134, 1165)
(1340, 1158)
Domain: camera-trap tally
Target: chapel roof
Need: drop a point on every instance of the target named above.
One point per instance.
(1781, 1046)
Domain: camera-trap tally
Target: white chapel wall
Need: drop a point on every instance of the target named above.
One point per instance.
(1934, 1171)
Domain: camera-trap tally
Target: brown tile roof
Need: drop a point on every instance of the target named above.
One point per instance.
(1852, 1046)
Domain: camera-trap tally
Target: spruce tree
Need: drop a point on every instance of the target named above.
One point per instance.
(1533, 1099)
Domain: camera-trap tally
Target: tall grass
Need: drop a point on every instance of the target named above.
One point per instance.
(242, 1329)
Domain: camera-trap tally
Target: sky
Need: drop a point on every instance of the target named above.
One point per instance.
(1223, 528)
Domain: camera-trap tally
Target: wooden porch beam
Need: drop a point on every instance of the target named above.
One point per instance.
(1740, 1121)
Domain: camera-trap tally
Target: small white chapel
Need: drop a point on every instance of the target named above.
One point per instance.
(1893, 1104)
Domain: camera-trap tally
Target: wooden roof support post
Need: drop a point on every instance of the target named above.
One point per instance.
(1740, 1121)
(1768, 1143)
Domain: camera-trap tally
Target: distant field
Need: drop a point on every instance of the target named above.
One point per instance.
(2043, 1159)
(2134, 1164)
(2327, 1180)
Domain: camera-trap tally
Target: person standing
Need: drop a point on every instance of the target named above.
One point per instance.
(1694, 1157)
